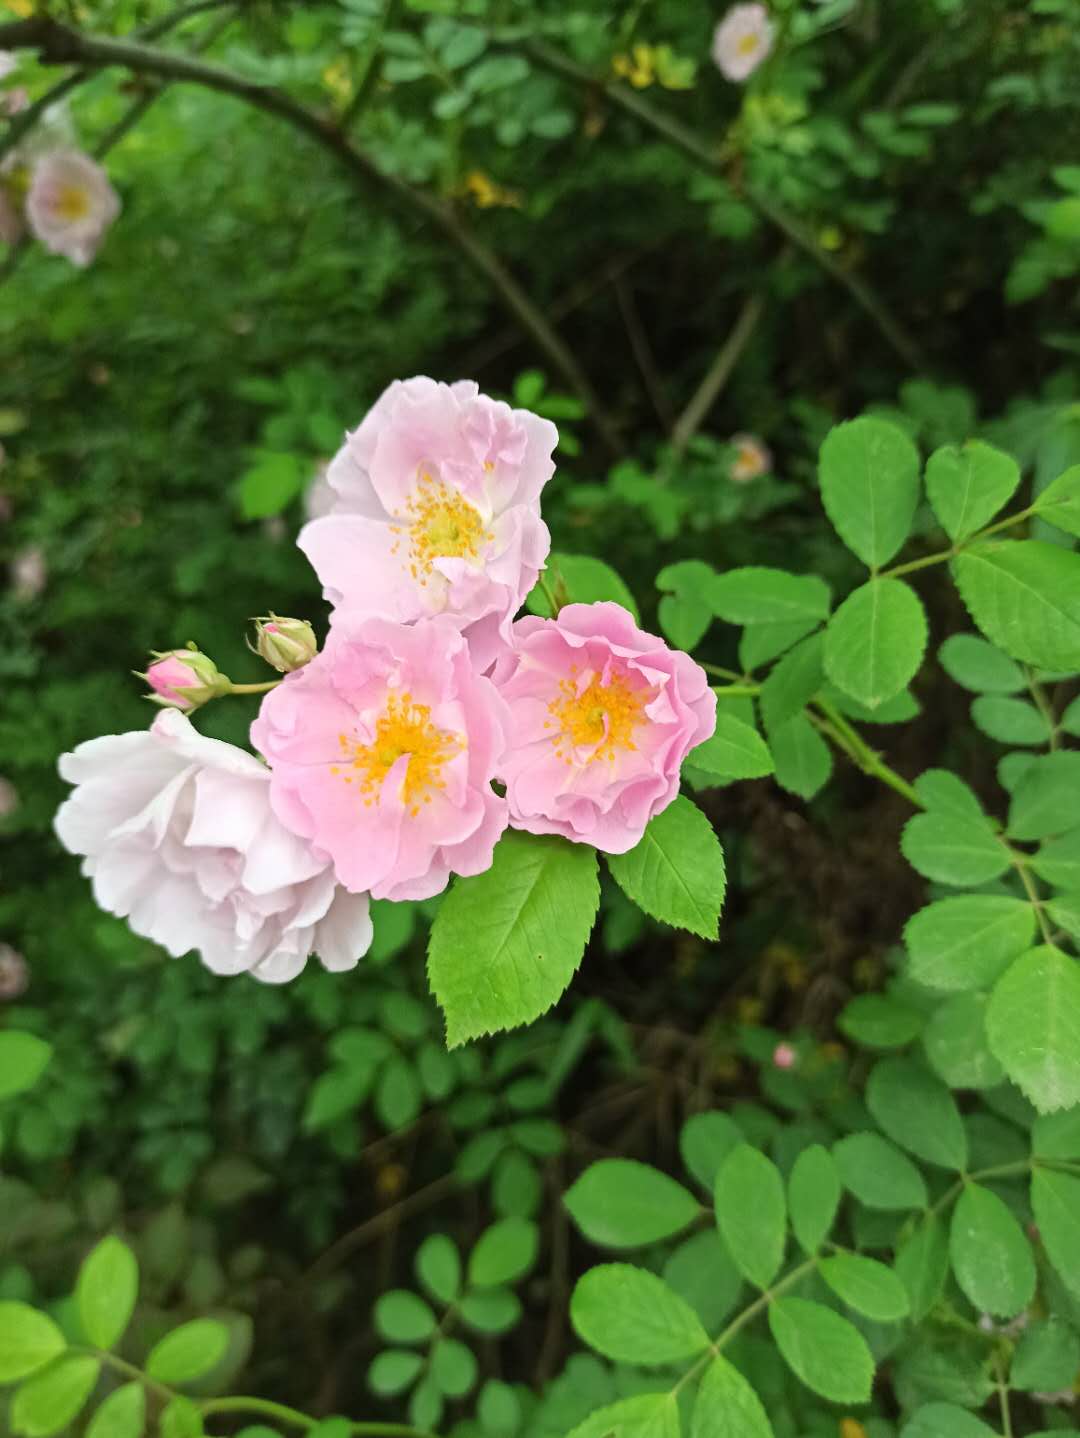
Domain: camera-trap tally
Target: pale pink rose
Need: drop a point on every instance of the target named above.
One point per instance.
(383, 749)
(437, 511)
(14, 973)
(784, 1057)
(70, 205)
(8, 64)
(320, 498)
(180, 840)
(168, 677)
(742, 40)
(752, 458)
(29, 572)
(602, 716)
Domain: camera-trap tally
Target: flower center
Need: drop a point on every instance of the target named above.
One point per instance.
(403, 728)
(440, 524)
(747, 44)
(600, 715)
(72, 203)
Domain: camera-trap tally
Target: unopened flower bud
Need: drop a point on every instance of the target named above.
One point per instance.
(184, 679)
(784, 1057)
(285, 644)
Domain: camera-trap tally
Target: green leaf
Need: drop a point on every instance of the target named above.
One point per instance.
(702, 1271)
(333, 1095)
(735, 751)
(751, 1213)
(1047, 798)
(813, 1196)
(879, 1175)
(620, 1203)
(792, 683)
(967, 484)
(1010, 721)
(803, 759)
(756, 595)
(580, 579)
(402, 1316)
(1059, 502)
(631, 1316)
(1065, 912)
(1055, 1198)
(1033, 1027)
(879, 1022)
(944, 792)
(52, 1399)
(1057, 1135)
(398, 1096)
(866, 1285)
(499, 1409)
(1025, 597)
(1047, 1358)
(182, 1419)
(875, 641)
(918, 1112)
(953, 850)
(271, 482)
(727, 1407)
(983, 1226)
(492, 1310)
(504, 1253)
(967, 943)
(453, 1367)
(649, 1415)
(761, 643)
(823, 1350)
(438, 1267)
(106, 1290)
(705, 1141)
(942, 1420)
(505, 944)
(922, 1263)
(869, 475)
(28, 1341)
(676, 871)
(188, 1352)
(980, 666)
(122, 1415)
(956, 1043)
(1058, 861)
(393, 1371)
(23, 1059)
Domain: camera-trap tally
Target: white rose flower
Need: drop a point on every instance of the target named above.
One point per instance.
(8, 64)
(179, 839)
(743, 39)
(70, 205)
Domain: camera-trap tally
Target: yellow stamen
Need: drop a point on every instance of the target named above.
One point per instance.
(402, 728)
(441, 524)
(601, 715)
(747, 44)
(72, 203)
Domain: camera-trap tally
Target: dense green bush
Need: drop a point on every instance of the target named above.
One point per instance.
(818, 1177)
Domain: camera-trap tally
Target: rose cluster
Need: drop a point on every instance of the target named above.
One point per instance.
(49, 186)
(429, 721)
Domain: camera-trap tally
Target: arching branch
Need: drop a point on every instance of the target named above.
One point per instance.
(59, 44)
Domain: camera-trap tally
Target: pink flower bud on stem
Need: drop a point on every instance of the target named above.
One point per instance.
(184, 679)
(285, 644)
(784, 1057)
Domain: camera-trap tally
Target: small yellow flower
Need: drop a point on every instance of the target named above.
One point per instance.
(851, 1428)
(337, 79)
(23, 8)
(487, 194)
(638, 67)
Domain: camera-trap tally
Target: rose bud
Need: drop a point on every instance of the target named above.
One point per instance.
(184, 679)
(285, 644)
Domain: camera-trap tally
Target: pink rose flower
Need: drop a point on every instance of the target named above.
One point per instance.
(383, 749)
(743, 39)
(70, 205)
(437, 511)
(752, 458)
(602, 716)
(784, 1057)
(168, 677)
(179, 838)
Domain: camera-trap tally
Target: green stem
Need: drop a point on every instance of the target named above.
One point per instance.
(253, 688)
(128, 1370)
(737, 691)
(1038, 694)
(866, 758)
(720, 672)
(759, 1304)
(945, 554)
(913, 564)
(1019, 863)
(285, 1414)
(1003, 1397)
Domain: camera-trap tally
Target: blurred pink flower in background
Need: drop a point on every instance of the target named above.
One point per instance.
(602, 716)
(382, 752)
(29, 572)
(8, 64)
(743, 39)
(11, 223)
(752, 458)
(70, 205)
(14, 973)
(784, 1057)
(9, 798)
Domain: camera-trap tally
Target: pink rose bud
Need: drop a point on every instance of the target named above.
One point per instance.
(184, 679)
(784, 1057)
(285, 644)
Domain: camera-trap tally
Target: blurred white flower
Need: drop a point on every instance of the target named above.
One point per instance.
(29, 572)
(742, 40)
(8, 63)
(70, 205)
(752, 458)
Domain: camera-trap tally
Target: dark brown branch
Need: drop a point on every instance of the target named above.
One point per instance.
(677, 134)
(60, 45)
(717, 375)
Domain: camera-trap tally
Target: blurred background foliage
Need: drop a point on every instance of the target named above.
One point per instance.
(282, 1153)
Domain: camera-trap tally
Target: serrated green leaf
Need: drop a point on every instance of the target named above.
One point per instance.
(944, 792)
(1058, 861)
(751, 1213)
(1010, 721)
(982, 1226)
(879, 1175)
(1059, 502)
(866, 1285)
(106, 1290)
(620, 1203)
(705, 1141)
(813, 1196)
(735, 751)
(967, 484)
(28, 1341)
(943, 1420)
(953, 850)
(922, 1263)
(676, 872)
(727, 1407)
(792, 683)
(967, 942)
(188, 1352)
(918, 1112)
(122, 1415)
(956, 1044)
(649, 1415)
(1025, 597)
(875, 641)
(869, 475)
(823, 1350)
(1055, 1198)
(1033, 1027)
(505, 944)
(630, 1315)
(1046, 799)
(802, 758)
(52, 1399)
(1047, 1358)
(1057, 1135)
(758, 595)
(980, 666)
(580, 579)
